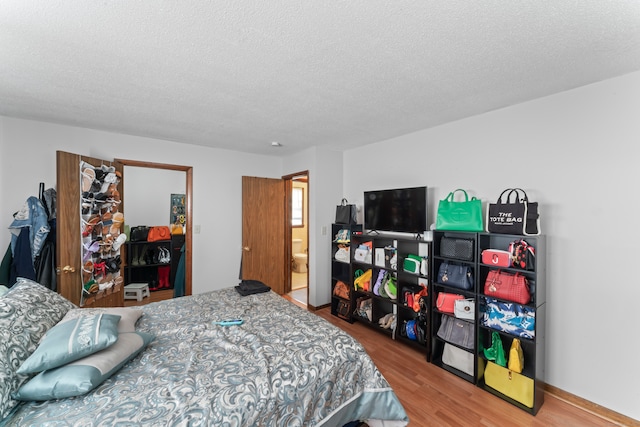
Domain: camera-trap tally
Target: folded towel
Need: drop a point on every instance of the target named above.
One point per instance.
(250, 287)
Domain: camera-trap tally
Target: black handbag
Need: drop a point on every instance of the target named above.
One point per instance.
(515, 215)
(139, 233)
(455, 275)
(456, 331)
(456, 248)
(346, 213)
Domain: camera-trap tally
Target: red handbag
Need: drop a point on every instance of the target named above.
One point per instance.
(445, 301)
(496, 258)
(159, 232)
(510, 287)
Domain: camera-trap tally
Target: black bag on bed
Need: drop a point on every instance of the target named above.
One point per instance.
(250, 287)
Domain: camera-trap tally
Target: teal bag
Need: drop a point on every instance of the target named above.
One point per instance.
(463, 215)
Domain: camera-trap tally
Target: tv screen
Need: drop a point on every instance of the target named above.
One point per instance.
(400, 210)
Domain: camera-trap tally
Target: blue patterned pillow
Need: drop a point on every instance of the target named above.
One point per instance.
(72, 340)
(82, 376)
(27, 312)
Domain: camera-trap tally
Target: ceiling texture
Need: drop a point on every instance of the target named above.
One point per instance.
(240, 74)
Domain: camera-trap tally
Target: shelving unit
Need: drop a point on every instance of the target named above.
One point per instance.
(144, 264)
(413, 285)
(533, 347)
(441, 285)
(388, 309)
(341, 268)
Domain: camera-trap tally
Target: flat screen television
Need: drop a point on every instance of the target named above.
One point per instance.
(402, 210)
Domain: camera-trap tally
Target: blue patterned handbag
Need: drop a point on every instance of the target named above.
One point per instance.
(508, 317)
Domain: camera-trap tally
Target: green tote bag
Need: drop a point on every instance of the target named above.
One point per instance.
(465, 215)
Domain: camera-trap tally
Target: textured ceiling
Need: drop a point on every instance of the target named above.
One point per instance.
(239, 74)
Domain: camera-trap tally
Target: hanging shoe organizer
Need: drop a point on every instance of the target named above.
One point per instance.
(101, 230)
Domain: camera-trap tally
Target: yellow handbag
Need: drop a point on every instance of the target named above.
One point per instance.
(362, 280)
(516, 357)
(511, 384)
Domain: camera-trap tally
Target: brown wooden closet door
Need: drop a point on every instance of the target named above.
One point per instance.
(68, 239)
(263, 232)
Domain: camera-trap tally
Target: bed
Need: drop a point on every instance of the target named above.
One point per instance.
(283, 366)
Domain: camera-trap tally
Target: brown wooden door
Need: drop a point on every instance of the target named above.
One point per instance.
(68, 231)
(263, 231)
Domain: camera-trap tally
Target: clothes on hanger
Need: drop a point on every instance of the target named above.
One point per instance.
(22, 265)
(5, 268)
(45, 264)
(179, 285)
(32, 217)
(31, 253)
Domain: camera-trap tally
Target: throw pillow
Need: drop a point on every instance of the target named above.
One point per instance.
(27, 312)
(82, 376)
(72, 340)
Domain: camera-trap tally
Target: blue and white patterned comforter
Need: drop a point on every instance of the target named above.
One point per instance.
(283, 367)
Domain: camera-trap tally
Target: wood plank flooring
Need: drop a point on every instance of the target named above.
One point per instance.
(434, 397)
(153, 297)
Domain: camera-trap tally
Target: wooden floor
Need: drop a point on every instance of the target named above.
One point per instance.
(432, 396)
(153, 297)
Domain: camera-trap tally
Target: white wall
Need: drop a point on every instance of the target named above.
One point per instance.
(28, 157)
(147, 194)
(576, 154)
(325, 192)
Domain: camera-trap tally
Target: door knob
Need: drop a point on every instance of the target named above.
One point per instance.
(68, 269)
(246, 248)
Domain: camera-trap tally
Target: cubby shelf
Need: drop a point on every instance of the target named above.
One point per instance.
(533, 347)
(374, 305)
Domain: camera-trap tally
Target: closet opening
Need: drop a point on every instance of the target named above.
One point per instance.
(131, 165)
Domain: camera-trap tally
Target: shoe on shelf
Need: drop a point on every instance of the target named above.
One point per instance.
(384, 319)
(134, 255)
(143, 259)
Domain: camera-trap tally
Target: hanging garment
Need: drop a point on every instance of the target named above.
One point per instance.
(22, 266)
(45, 265)
(33, 217)
(5, 268)
(179, 286)
(48, 199)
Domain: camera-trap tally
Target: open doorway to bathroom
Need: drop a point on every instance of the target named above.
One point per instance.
(299, 189)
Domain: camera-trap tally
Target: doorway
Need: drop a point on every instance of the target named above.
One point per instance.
(298, 222)
(187, 177)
